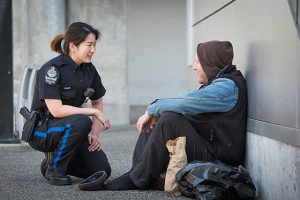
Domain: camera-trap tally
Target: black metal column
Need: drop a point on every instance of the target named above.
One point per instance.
(6, 80)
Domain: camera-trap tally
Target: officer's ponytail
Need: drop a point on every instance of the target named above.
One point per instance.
(75, 33)
(56, 44)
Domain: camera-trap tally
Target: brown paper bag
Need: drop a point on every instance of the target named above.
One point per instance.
(178, 159)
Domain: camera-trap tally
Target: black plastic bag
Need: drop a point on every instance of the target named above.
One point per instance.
(212, 181)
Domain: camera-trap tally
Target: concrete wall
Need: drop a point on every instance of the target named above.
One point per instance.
(110, 16)
(36, 22)
(156, 49)
(266, 49)
(142, 43)
(274, 167)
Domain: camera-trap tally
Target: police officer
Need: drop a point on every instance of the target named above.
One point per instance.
(69, 138)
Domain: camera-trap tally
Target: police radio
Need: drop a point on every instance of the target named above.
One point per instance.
(88, 93)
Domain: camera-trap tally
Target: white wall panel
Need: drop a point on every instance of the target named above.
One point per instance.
(156, 49)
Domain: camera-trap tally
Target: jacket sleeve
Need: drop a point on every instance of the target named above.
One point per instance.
(220, 96)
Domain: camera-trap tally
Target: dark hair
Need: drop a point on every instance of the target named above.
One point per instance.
(75, 33)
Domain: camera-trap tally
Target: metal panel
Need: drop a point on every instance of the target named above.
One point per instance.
(205, 7)
(266, 49)
(267, 45)
(280, 133)
(6, 98)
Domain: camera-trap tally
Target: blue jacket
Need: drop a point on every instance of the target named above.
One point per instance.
(219, 96)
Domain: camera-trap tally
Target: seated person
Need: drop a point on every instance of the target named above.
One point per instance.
(212, 118)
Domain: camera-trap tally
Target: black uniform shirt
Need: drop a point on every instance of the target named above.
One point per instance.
(61, 78)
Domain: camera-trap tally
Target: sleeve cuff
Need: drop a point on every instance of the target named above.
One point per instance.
(98, 96)
(151, 110)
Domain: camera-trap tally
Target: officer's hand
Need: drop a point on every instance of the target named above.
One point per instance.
(143, 122)
(103, 119)
(94, 142)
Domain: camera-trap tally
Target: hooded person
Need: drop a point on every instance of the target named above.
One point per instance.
(214, 56)
(212, 118)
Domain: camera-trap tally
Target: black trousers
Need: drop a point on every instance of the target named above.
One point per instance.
(67, 139)
(151, 157)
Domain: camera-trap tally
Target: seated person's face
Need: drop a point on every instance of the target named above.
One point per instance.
(202, 78)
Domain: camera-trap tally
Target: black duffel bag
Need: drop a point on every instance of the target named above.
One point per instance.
(215, 180)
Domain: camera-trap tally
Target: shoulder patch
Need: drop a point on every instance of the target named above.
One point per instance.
(51, 76)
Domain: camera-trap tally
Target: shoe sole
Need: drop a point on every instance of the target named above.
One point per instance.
(94, 183)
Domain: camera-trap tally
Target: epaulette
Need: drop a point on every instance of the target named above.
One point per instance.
(58, 61)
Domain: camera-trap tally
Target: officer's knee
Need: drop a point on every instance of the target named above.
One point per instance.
(82, 123)
(108, 170)
(104, 166)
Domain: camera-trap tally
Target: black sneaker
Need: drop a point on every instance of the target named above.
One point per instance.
(94, 182)
(123, 182)
(45, 163)
(56, 178)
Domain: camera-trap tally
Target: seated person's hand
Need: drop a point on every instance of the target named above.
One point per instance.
(152, 122)
(143, 122)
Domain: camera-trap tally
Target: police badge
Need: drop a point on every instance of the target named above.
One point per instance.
(51, 76)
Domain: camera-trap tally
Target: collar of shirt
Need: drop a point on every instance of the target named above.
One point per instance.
(70, 62)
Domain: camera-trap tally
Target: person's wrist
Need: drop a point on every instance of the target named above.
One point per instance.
(96, 112)
(95, 133)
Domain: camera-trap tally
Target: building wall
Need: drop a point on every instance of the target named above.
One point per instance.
(266, 49)
(156, 49)
(142, 43)
(110, 16)
(36, 22)
(142, 56)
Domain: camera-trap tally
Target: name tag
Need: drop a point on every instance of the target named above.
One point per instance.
(67, 88)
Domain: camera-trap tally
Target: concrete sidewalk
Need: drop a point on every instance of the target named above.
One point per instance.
(20, 176)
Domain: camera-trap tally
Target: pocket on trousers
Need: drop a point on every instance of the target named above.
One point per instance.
(39, 139)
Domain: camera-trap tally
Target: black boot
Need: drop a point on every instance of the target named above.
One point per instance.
(56, 178)
(45, 163)
(123, 182)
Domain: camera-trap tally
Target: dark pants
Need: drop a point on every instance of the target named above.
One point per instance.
(67, 139)
(151, 157)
